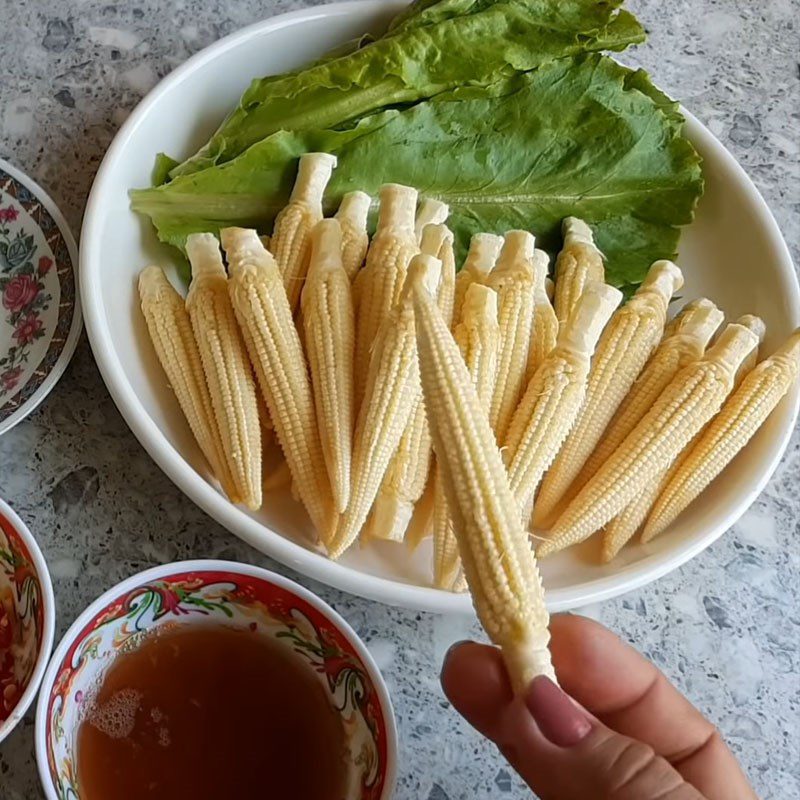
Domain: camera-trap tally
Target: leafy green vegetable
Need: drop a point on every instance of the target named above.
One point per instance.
(581, 136)
(435, 49)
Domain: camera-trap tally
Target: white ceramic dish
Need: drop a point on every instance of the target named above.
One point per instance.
(238, 596)
(733, 253)
(24, 576)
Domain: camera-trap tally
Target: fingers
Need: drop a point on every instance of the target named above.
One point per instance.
(631, 696)
(558, 749)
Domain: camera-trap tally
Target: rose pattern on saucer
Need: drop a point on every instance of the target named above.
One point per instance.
(37, 293)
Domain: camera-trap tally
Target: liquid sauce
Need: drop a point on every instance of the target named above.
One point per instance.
(211, 712)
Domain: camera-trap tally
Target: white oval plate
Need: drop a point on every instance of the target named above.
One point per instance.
(732, 253)
(40, 317)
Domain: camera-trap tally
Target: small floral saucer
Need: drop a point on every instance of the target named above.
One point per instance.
(40, 319)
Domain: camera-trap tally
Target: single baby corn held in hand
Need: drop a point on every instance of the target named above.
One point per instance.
(478, 339)
(228, 373)
(352, 217)
(690, 332)
(498, 561)
(171, 333)
(578, 262)
(691, 399)
(329, 326)
(624, 348)
(291, 239)
(513, 278)
(379, 284)
(554, 396)
(742, 415)
(262, 309)
(390, 396)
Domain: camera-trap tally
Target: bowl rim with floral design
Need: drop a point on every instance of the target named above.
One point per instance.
(142, 602)
(57, 324)
(27, 549)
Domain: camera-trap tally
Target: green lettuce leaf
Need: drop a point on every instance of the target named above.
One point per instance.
(471, 44)
(584, 136)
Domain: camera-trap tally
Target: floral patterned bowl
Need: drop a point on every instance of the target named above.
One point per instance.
(40, 318)
(27, 619)
(237, 595)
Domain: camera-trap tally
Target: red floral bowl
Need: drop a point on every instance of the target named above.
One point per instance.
(240, 596)
(27, 619)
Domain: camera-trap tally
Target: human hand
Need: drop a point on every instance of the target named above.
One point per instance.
(629, 735)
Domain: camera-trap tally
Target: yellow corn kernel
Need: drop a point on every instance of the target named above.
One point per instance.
(690, 401)
(329, 325)
(478, 340)
(291, 238)
(498, 561)
(407, 475)
(555, 394)
(484, 248)
(225, 365)
(352, 217)
(171, 333)
(624, 348)
(545, 323)
(624, 526)
(742, 415)
(390, 397)
(431, 212)
(513, 279)
(578, 262)
(421, 525)
(690, 332)
(380, 283)
(262, 309)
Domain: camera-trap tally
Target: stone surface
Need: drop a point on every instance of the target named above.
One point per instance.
(725, 627)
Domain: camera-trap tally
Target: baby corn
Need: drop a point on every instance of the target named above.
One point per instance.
(513, 279)
(624, 348)
(291, 238)
(545, 323)
(228, 374)
(741, 416)
(431, 212)
(686, 341)
(381, 281)
(554, 396)
(578, 262)
(352, 217)
(408, 471)
(691, 399)
(171, 333)
(484, 248)
(262, 309)
(478, 339)
(391, 394)
(329, 326)
(498, 561)
(437, 241)
(624, 526)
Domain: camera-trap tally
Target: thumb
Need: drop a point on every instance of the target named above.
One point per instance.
(559, 749)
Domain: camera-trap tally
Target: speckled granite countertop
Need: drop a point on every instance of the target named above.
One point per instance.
(725, 627)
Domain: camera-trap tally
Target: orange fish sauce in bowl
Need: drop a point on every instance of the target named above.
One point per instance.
(202, 712)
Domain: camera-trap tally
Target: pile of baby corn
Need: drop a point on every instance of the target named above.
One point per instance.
(410, 399)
